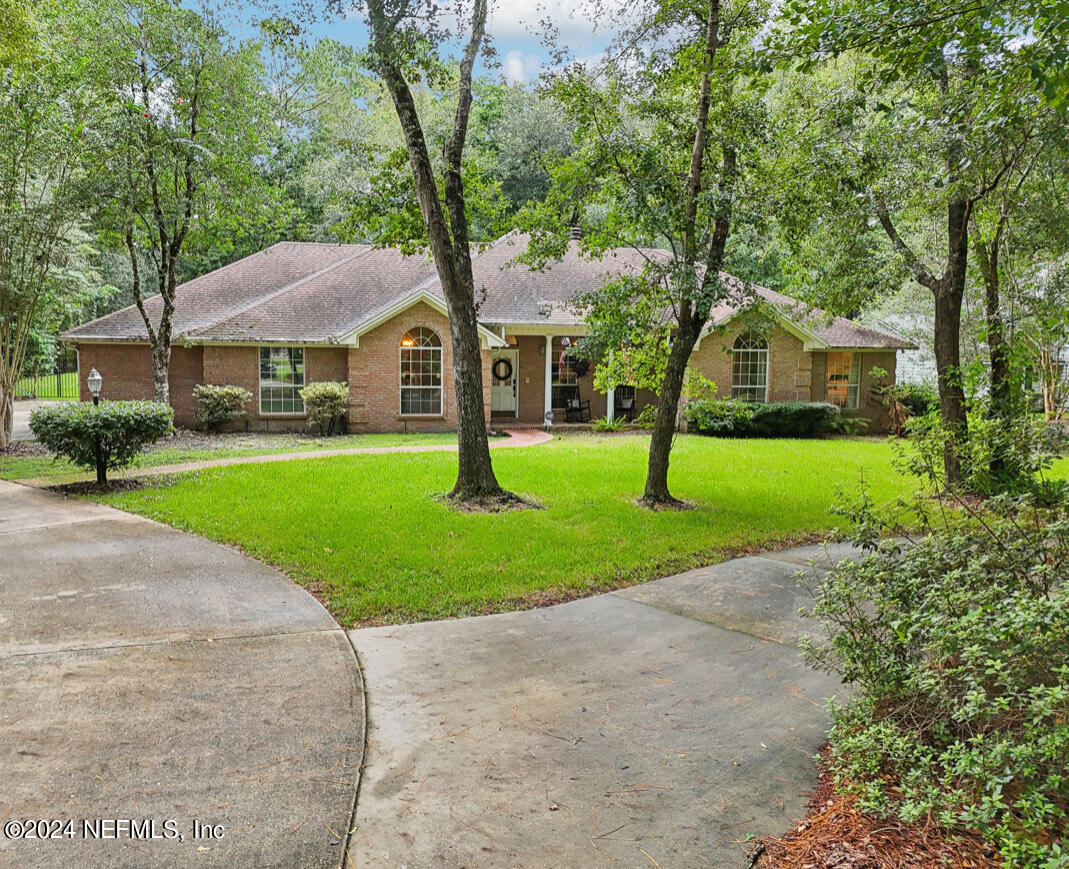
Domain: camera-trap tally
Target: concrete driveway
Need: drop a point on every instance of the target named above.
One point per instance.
(147, 675)
(21, 428)
(662, 725)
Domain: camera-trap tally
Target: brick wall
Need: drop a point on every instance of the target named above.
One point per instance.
(789, 365)
(127, 373)
(374, 376)
(240, 366)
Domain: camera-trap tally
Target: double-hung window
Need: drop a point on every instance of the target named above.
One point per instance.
(844, 377)
(281, 380)
(421, 373)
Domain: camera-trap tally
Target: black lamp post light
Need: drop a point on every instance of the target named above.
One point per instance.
(94, 381)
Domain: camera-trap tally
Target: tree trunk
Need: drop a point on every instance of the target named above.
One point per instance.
(987, 257)
(449, 244)
(692, 313)
(7, 416)
(475, 471)
(161, 359)
(664, 427)
(951, 393)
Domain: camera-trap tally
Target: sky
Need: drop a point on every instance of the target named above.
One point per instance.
(513, 26)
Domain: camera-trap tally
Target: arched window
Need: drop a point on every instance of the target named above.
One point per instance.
(421, 372)
(749, 367)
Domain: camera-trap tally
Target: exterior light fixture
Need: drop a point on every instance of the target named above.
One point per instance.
(94, 381)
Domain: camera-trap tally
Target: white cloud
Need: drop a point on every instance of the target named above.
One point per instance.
(521, 19)
(518, 66)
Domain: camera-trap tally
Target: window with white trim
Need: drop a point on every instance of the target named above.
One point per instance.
(421, 372)
(281, 380)
(749, 367)
(844, 377)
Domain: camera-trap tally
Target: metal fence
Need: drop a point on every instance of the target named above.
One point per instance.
(60, 383)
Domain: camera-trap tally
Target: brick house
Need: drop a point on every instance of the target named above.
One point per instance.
(375, 319)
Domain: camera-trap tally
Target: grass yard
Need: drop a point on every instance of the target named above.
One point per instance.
(33, 462)
(366, 534)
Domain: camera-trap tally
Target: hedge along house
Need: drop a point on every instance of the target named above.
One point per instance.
(376, 320)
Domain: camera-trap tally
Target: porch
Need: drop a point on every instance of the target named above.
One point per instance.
(535, 374)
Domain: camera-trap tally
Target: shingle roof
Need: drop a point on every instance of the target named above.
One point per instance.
(305, 292)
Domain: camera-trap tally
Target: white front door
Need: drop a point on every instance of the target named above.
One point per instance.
(505, 381)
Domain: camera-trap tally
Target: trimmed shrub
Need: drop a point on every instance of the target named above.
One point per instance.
(919, 398)
(774, 419)
(958, 645)
(325, 403)
(106, 436)
(218, 405)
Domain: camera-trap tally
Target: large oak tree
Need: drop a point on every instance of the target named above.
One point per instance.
(665, 137)
(406, 39)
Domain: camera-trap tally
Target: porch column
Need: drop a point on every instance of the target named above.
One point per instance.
(549, 378)
(610, 397)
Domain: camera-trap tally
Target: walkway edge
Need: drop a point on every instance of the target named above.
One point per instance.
(518, 438)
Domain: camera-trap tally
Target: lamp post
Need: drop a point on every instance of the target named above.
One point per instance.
(94, 381)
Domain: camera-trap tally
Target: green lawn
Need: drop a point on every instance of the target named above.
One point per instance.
(366, 533)
(191, 447)
(45, 387)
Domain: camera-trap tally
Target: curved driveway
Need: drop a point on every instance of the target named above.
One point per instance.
(149, 675)
(661, 725)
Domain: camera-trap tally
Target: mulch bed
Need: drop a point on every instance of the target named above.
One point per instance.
(23, 450)
(836, 834)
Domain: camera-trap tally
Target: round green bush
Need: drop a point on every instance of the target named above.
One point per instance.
(325, 401)
(218, 405)
(105, 436)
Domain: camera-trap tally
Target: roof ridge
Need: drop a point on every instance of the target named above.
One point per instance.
(248, 306)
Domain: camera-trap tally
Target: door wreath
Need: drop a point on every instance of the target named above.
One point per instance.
(503, 369)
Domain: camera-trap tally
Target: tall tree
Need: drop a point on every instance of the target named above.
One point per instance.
(183, 146)
(665, 136)
(934, 117)
(405, 41)
(49, 102)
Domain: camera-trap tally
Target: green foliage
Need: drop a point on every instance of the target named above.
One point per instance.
(218, 405)
(850, 426)
(603, 423)
(745, 419)
(1001, 456)
(958, 647)
(325, 402)
(108, 435)
(698, 387)
(49, 103)
(647, 416)
(919, 399)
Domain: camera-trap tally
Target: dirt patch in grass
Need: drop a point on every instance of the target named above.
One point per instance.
(121, 484)
(836, 834)
(24, 450)
(492, 504)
